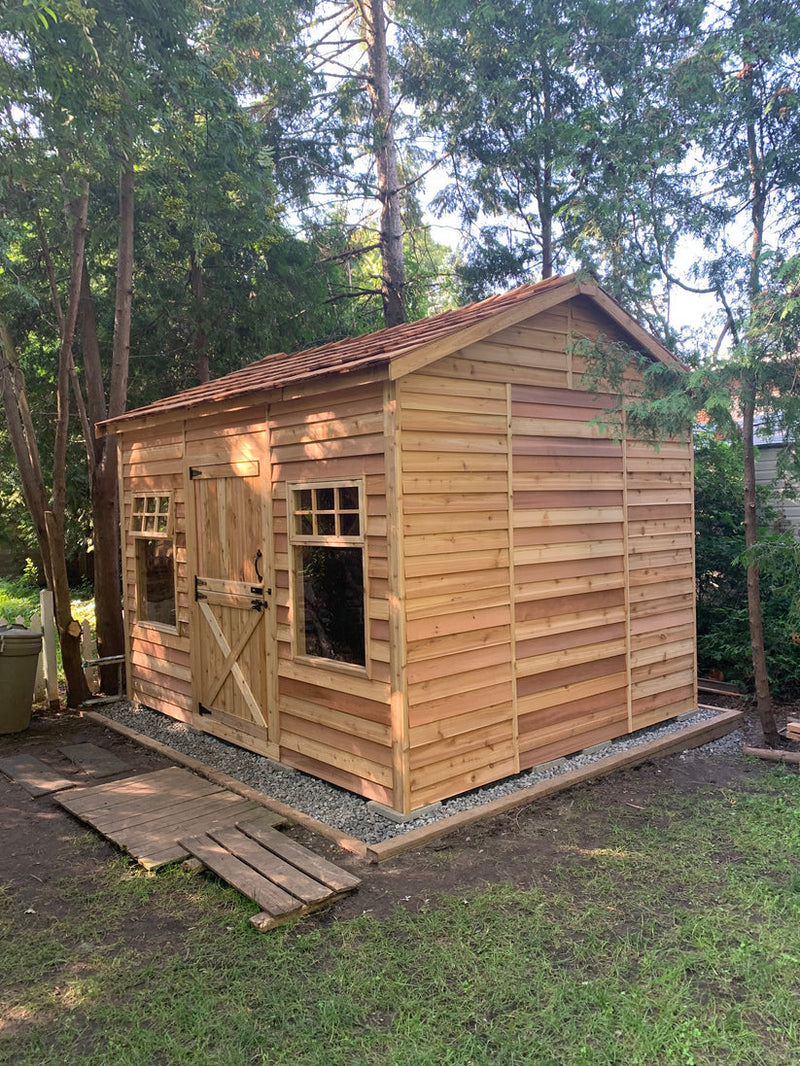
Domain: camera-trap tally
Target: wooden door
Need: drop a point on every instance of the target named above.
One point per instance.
(232, 601)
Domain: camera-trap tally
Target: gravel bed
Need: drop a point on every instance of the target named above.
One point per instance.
(344, 810)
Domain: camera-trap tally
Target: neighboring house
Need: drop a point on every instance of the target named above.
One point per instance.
(770, 446)
(411, 563)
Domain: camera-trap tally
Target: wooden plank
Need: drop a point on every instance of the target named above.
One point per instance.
(265, 862)
(315, 866)
(93, 760)
(314, 825)
(690, 737)
(138, 793)
(34, 775)
(237, 873)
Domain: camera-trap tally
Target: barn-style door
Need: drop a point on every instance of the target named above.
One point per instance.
(232, 601)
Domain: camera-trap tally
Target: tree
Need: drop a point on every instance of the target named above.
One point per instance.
(741, 93)
(556, 124)
(99, 94)
(348, 48)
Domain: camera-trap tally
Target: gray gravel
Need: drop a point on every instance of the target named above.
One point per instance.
(346, 811)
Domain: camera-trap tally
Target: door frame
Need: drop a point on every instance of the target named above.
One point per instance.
(227, 455)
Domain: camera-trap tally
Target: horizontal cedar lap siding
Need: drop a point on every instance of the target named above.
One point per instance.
(574, 567)
(335, 723)
(160, 659)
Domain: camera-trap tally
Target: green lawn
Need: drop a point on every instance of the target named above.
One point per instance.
(665, 936)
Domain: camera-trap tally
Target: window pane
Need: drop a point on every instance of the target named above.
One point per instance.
(326, 525)
(304, 524)
(302, 500)
(349, 526)
(151, 504)
(348, 498)
(331, 583)
(156, 573)
(163, 505)
(324, 499)
(138, 504)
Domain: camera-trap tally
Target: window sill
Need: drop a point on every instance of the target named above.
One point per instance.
(332, 664)
(161, 627)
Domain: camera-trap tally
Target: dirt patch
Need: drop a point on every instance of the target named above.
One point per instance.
(40, 843)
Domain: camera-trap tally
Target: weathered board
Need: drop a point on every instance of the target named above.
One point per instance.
(34, 775)
(148, 814)
(284, 878)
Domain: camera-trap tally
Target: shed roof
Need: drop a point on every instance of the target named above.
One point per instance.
(397, 350)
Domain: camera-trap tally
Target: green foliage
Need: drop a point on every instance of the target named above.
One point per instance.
(555, 118)
(723, 634)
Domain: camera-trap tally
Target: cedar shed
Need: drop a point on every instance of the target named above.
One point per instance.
(411, 563)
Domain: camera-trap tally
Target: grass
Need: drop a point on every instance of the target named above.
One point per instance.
(19, 598)
(669, 937)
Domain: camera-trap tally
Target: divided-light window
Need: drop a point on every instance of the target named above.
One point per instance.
(326, 529)
(152, 529)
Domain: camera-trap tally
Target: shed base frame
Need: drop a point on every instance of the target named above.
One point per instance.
(692, 736)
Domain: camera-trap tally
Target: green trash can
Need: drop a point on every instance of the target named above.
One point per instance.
(19, 652)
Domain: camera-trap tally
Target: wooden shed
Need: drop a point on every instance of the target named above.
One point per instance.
(411, 563)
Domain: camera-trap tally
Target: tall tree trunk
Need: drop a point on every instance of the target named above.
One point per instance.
(758, 207)
(104, 483)
(393, 281)
(104, 495)
(764, 706)
(200, 337)
(68, 629)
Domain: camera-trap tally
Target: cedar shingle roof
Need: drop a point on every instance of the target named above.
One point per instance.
(373, 350)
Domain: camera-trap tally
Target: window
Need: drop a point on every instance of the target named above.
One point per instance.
(152, 529)
(326, 529)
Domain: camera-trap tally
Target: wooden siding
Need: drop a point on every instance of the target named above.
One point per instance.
(529, 574)
(455, 526)
(335, 720)
(548, 562)
(160, 673)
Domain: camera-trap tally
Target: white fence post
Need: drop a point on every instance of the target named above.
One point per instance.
(47, 612)
(39, 691)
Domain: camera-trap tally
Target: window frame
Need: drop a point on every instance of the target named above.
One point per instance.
(140, 536)
(297, 541)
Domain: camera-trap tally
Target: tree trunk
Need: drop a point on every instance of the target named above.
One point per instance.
(393, 282)
(49, 531)
(104, 493)
(103, 471)
(200, 337)
(758, 206)
(107, 573)
(764, 706)
(69, 630)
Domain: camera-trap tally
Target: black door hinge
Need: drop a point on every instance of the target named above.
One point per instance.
(198, 595)
(194, 471)
(202, 709)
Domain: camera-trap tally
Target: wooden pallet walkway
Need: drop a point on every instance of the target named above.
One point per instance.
(147, 815)
(284, 878)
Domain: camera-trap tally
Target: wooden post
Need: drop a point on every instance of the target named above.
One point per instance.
(39, 691)
(47, 611)
(89, 651)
